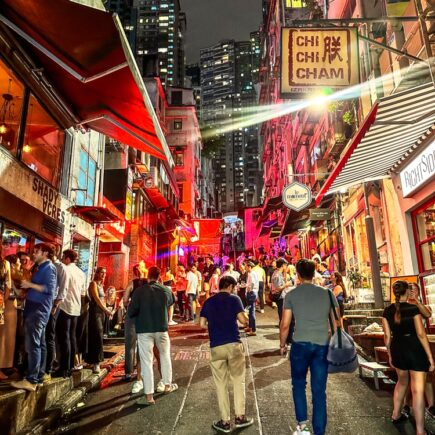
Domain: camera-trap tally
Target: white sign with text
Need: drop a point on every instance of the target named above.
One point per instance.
(420, 170)
(296, 196)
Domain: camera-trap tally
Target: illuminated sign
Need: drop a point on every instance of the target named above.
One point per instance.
(419, 171)
(317, 58)
(295, 4)
(296, 196)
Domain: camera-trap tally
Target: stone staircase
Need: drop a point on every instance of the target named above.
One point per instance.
(359, 316)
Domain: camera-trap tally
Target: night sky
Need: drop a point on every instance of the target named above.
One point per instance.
(209, 21)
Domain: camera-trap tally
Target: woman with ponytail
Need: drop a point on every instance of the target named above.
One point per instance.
(409, 353)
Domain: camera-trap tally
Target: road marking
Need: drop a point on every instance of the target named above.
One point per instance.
(180, 412)
(196, 355)
(260, 426)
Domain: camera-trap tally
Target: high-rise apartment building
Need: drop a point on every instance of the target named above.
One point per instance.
(227, 88)
(156, 30)
(128, 16)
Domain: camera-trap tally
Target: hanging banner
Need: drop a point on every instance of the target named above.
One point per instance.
(317, 58)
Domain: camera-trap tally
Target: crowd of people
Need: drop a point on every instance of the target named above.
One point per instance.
(52, 323)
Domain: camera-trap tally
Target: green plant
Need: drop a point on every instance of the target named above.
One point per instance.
(355, 277)
(348, 117)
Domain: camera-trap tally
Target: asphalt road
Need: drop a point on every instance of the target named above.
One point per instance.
(354, 406)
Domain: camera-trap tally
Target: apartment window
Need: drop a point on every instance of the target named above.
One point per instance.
(178, 124)
(177, 98)
(179, 158)
(86, 179)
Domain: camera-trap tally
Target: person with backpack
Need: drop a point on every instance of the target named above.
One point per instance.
(310, 305)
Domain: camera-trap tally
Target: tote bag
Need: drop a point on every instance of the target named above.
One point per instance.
(342, 356)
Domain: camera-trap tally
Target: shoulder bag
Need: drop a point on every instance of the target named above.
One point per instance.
(342, 356)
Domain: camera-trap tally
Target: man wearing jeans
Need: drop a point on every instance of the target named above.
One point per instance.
(149, 307)
(227, 356)
(39, 302)
(252, 286)
(311, 306)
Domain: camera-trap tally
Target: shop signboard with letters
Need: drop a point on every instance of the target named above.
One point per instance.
(419, 171)
(296, 196)
(320, 214)
(315, 59)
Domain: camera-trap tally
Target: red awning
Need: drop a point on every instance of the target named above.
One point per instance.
(85, 55)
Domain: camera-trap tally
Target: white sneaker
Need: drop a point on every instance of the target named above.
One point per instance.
(160, 386)
(172, 323)
(262, 311)
(274, 305)
(304, 431)
(137, 386)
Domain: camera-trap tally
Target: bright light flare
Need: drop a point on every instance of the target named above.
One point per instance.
(254, 115)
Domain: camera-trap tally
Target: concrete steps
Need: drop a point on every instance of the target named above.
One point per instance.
(18, 407)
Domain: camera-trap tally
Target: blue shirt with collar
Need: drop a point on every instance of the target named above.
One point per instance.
(46, 276)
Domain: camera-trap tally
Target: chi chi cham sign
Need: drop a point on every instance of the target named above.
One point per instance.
(314, 58)
(296, 196)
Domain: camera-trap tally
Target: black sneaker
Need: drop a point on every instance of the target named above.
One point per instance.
(406, 411)
(399, 420)
(243, 421)
(221, 426)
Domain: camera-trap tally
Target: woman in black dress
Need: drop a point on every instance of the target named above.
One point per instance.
(97, 313)
(409, 353)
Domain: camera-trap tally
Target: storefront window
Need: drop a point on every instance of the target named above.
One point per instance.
(11, 101)
(14, 241)
(425, 226)
(43, 143)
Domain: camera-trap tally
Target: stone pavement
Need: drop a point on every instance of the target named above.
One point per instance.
(354, 407)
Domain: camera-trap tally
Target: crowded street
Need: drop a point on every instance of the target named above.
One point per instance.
(217, 216)
(354, 405)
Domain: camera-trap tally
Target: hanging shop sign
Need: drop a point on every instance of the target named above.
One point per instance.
(419, 171)
(320, 214)
(296, 196)
(317, 58)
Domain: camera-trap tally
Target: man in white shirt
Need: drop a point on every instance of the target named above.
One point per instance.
(69, 312)
(229, 271)
(252, 287)
(191, 293)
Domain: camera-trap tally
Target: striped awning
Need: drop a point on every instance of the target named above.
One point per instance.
(392, 130)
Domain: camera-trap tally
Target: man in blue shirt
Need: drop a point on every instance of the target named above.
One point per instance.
(39, 302)
(227, 355)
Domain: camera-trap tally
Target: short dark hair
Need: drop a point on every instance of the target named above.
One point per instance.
(45, 247)
(227, 266)
(306, 268)
(226, 281)
(153, 273)
(323, 263)
(71, 254)
(22, 254)
(280, 262)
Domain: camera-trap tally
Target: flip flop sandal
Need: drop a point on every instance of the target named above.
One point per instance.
(172, 388)
(145, 402)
